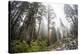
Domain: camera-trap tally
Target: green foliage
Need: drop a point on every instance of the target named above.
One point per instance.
(18, 46)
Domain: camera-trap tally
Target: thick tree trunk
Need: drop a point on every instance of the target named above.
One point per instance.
(39, 29)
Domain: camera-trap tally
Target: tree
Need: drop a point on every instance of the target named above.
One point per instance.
(71, 13)
(41, 12)
(15, 10)
(51, 16)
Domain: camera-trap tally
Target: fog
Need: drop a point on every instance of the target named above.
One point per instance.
(58, 9)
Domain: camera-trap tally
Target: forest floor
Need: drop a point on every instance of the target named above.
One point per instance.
(41, 45)
(65, 44)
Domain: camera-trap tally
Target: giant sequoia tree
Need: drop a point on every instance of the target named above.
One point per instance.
(51, 16)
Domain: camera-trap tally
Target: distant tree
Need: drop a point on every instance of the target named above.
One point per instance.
(51, 16)
(41, 12)
(71, 12)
